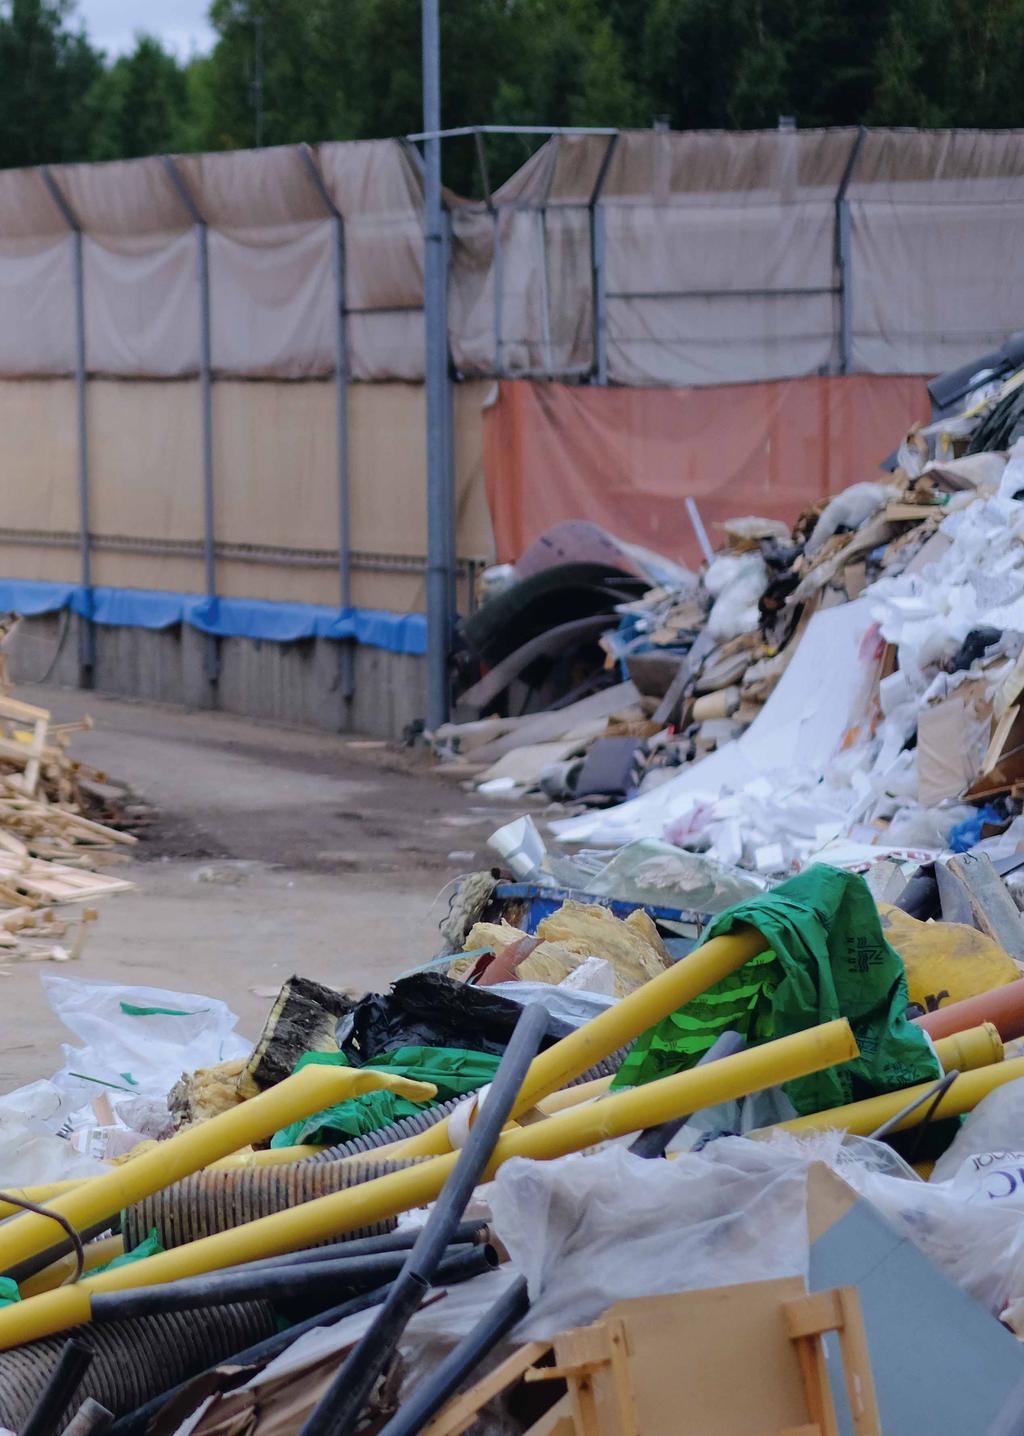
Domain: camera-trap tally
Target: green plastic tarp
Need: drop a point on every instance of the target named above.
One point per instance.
(826, 957)
(453, 1072)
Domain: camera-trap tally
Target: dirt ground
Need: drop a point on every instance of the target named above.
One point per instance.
(273, 851)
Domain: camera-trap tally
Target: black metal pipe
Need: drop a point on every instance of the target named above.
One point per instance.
(59, 1391)
(446, 1378)
(290, 1283)
(653, 1141)
(399, 1241)
(91, 1419)
(339, 1410)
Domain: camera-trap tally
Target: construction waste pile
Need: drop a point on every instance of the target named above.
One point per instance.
(840, 691)
(722, 1079)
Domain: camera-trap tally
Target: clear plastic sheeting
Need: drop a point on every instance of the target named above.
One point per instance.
(587, 1231)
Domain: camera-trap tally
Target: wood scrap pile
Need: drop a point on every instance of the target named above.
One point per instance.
(51, 849)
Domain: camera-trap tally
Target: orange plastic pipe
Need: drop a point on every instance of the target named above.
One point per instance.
(1002, 1006)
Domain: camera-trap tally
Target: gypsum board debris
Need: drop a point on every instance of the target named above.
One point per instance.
(446, 1378)
(211, 1201)
(132, 1360)
(136, 1422)
(308, 1281)
(337, 1413)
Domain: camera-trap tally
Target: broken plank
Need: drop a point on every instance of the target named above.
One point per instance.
(993, 910)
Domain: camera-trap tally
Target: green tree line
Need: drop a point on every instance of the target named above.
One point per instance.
(288, 70)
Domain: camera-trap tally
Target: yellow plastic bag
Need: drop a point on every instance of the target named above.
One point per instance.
(945, 961)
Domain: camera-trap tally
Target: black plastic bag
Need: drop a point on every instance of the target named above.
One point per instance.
(430, 1010)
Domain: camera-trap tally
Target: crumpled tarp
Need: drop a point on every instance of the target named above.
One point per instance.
(828, 958)
(452, 1071)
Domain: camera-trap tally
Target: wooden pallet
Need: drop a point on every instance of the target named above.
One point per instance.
(744, 1360)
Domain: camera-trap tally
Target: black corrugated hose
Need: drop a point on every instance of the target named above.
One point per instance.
(131, 1360)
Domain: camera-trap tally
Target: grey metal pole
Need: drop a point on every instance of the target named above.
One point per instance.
(211, 657)
(842, 251)
(439, 486)
(86, 631)
(206, 392)
(598, 263)
(346, 655)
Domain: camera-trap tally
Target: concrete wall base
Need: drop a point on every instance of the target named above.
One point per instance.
(290, 683)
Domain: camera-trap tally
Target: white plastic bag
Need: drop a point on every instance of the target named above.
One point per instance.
(587, 1231)
(735, 608)
(994, 1128)
(849, 510)
(34, 1125)
(139, 1040)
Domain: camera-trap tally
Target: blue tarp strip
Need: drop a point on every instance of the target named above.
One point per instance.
(226, 617)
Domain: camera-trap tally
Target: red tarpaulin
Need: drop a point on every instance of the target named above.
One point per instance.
(628, 458)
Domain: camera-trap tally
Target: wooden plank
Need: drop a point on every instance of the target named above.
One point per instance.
(690, 1348)
(993, 910)
(860, 1381)
(811, 1315)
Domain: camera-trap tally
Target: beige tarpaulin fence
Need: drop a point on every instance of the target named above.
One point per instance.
(225, 418)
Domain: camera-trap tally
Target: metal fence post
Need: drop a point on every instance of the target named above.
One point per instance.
(598, 267)
(212, 653)
(86, 631)
(435, 306)
(842, 253)
(346, 654)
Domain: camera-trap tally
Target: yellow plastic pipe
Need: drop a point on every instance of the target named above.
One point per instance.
(603, 1035)
(976, 1047)
(340, 1212)
(573, 1096)
(861, 1118)
(44, 1192)
(297, 1096)
(97, 1253)
(270, 1156)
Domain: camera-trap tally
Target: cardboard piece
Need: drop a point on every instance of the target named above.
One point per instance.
(947, 743)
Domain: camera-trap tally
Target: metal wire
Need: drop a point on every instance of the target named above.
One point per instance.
(76, 1241)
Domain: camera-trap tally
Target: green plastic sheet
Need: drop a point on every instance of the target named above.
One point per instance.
(453, 1071)
(826, 957)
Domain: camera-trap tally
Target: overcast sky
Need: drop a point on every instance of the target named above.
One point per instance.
(180, 24)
